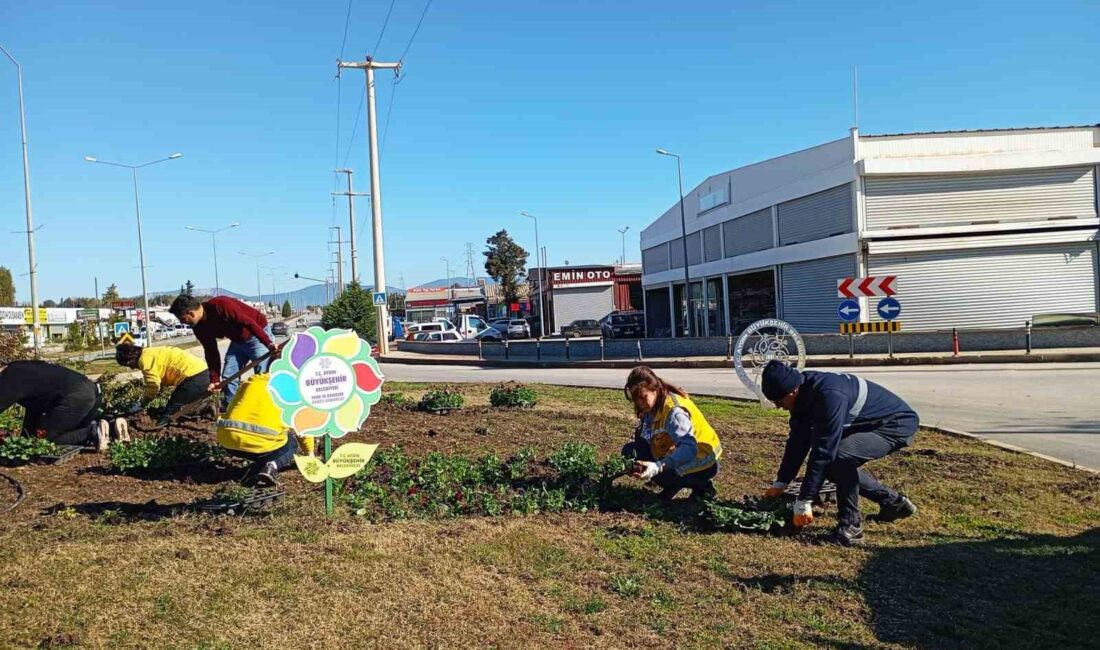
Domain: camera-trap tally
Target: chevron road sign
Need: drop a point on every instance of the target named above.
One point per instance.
(872, 285)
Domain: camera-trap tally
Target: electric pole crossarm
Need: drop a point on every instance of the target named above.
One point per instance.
(368, 65)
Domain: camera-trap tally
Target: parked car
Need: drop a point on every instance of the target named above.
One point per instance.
(279, 329)
(518, 329)
(623, 325)
(583, 327)
(489, 334)
(419, 328)
(500, 324)
(450, 336)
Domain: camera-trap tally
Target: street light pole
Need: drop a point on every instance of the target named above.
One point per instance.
(447, 272)
(622, 231)
(542, 311)
(141, 246)
(27, 204)
(256, 257)
(214, 242)
(683, 239)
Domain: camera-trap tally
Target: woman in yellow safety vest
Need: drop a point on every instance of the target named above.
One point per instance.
(674, 446)
(166, 366)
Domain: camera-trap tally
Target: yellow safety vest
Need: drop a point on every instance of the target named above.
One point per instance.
(661, 443)
(252, 423)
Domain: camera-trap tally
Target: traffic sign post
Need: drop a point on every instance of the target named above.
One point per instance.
(870, 286)
(848, 311)
(379, 298)
(121, 328)
(889, 309)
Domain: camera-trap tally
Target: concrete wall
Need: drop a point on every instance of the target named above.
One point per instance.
(816, 344)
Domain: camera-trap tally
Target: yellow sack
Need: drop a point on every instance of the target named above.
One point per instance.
(252, 423)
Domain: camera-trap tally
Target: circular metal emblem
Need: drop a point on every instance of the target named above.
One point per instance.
(761, 342)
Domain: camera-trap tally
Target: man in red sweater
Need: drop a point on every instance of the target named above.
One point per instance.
(226, 318)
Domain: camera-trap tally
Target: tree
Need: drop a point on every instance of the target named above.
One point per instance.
(48, 303)
(111, 295)
(74, 340)
(11, 347)
(188, 289)
(287, 310)
(353, 310)
(505, 261)
(7, 288)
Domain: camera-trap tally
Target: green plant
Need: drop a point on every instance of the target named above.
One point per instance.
(398, 400)
(159, 453)
(11, 347)
(626, 586)
(118, 397)
(575, 461)
(353, 310)
(513, 396)
(731, 516)
(24, 448)
(11, 420)
(442, 398)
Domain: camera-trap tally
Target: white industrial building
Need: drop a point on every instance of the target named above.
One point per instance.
(984, 229)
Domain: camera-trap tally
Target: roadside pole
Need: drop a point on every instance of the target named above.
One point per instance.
(351, 194)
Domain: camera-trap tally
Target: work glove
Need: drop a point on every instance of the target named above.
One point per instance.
(776, 490)
(803, 513)
(648, 469)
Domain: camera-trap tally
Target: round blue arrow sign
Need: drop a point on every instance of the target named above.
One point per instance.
(889, 308)
(848, 311)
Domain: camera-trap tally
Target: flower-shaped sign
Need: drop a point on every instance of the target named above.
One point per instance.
(325, 382)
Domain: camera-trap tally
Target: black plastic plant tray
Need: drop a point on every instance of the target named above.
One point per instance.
(258, 500)
(441, 411)
(827, 492)
(64, 455)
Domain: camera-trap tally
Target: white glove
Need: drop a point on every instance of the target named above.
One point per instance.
(650, 470)
(803, 513)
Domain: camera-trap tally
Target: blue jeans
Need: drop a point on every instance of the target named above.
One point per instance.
(237, 356)
(639, 450)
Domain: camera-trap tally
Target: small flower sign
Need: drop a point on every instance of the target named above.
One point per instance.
(325, 382)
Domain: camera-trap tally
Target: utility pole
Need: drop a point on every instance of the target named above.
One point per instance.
(369, 66)
(27, 205)
(622, 231)
(470, 272)
(339, 260)
(351, 223)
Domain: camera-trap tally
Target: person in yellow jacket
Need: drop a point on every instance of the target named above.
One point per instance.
(674, 446)
(166, 366)
(252, 428)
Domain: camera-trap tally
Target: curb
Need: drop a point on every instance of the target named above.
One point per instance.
(811, 362)
(957, 433)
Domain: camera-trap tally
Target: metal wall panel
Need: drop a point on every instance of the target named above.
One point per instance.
(965, 199)
(655, 260)
(750, 233)
(816, 216)
(695, 248)
(809, 292)
(712, 243)
(676, 253)
(990, 287)
(582, 302)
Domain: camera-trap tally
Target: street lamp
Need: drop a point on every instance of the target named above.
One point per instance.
(683, 240)
(450, 290)
(299, 276)
(214, 241)
(27, 203)
(257, 256)
(141, 246)
(622, 231)
(542, 311)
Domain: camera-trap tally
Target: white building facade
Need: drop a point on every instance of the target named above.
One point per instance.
(984, 229)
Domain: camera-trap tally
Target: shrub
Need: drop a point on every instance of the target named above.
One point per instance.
(24, 448)
(11, 420)
(398, 400)
(120, 396)
(11, 347)
(159, 453)
(513, 396)
(442, 398)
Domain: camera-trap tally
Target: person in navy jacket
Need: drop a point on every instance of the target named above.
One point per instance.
(841, 421)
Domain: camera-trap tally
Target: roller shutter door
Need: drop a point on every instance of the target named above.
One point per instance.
(966, 199)
(582, 302)
(655, 260)
(695, 248)
(809, 292)
(990, 287)
(750, 233)
(816, 216)
(712, 244)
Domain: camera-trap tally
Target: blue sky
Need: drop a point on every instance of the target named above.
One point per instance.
(553, 107)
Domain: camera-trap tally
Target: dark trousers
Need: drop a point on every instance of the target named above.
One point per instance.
(283, 457)
(68, 422)
(639, 450)
(858, 447)
(189, 390)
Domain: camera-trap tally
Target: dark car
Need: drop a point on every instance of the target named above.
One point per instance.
(578, 328)
(279, 329)
(624, 325)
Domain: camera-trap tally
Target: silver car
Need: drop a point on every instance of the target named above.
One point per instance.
(518, 329)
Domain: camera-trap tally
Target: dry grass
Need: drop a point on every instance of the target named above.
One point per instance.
(1003, 554)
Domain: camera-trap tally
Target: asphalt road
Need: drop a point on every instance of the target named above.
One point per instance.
(1053, 409)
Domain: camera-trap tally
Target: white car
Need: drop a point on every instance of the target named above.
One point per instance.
(443, 337)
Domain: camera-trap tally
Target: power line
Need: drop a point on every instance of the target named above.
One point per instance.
(415, 31)
(347, 22)
(386, 22)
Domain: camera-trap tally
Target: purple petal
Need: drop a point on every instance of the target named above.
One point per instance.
(305, 346)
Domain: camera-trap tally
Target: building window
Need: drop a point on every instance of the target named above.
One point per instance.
(676, 253)
(658, 321)
(655, 260)
(712, 197)
(716, 317)
(751, 297)
(695, 248)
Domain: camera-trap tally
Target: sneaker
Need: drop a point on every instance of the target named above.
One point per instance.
(705, 493)
(101, 435)
(900, 510)
(848, 535)
(122, 430)
(268, 475)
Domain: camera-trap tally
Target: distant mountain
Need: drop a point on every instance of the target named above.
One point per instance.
(312, 295)
(462, 282)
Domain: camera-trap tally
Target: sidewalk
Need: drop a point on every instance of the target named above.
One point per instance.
(1053, 355)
